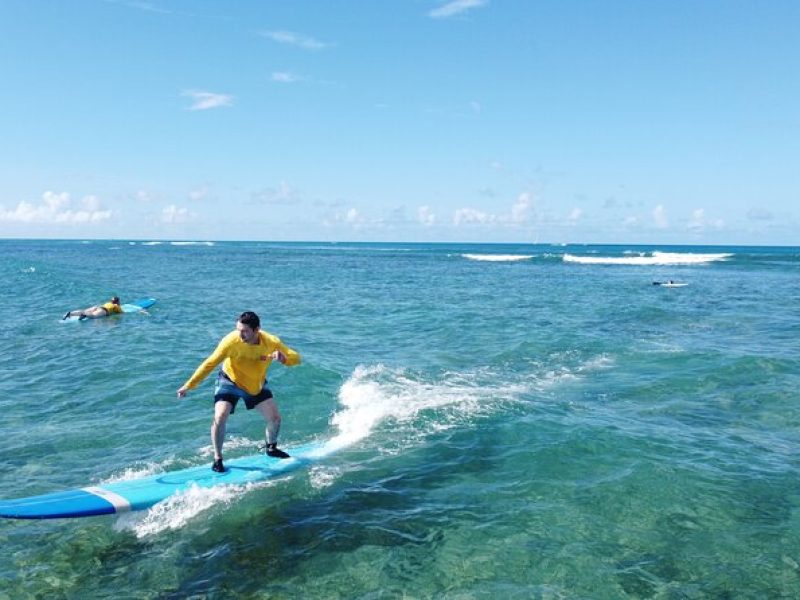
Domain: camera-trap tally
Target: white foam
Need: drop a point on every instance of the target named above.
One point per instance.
(498, 257)
(139, 472)
(178, 243)
(603, 361)
(322, 476)
(146, 470)
(377, 394)
(402, 406)
(656, 258)
(177, 510)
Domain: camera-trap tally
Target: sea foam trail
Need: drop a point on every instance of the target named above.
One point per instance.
(656, 258)
(375, 394)
(177, 510)
(374, 397)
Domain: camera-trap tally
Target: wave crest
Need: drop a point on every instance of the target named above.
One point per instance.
(656, 258)
(498, 257)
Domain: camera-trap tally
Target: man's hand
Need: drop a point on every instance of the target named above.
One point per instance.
(279, 356)
(182, 391)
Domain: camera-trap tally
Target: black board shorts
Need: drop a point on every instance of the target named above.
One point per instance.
(226, 390)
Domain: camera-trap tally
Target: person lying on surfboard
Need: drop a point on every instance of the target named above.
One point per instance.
(248, 352)
(95, 312)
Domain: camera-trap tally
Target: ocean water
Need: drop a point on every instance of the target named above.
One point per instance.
(517, 421)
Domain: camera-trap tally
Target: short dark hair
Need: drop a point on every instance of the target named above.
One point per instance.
(250, 319)
(115, 300)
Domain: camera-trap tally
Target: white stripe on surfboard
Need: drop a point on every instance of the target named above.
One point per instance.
(119, 503)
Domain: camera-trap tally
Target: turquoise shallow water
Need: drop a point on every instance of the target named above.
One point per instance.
(519, 421)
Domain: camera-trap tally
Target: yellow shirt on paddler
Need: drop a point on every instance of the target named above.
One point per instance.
(245, 364)
(112, 308)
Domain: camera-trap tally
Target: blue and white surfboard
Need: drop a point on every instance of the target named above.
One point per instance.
(139, 494)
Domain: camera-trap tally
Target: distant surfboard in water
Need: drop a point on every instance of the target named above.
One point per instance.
(670, 284)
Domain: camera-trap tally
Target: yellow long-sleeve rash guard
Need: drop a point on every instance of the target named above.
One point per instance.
(245, 364)
(112, 308)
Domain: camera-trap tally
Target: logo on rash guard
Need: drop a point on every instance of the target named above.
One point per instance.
(263, 358)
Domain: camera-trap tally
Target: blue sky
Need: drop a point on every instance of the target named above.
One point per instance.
(404, 120)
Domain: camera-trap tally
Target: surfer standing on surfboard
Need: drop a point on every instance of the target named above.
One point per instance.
(248, 353)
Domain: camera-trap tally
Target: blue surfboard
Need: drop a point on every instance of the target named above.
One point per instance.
(139, 494)
(138, 305)
(128, 307)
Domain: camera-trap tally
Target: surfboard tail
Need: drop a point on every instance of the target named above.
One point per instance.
(59, 505)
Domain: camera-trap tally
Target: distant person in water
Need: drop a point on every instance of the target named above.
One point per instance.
(95, 312)
(248, 352)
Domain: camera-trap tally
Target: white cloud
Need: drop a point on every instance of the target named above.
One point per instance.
(353, 217)
(425, 216)
(521, 214)
(521, 208)
(356, 221)
(283, 194)
(455, 7)
(294, 39)
(90, 203)
(630, 222)
(575, 215)
(172, 214)
(285, 77)
(198, 193)
(698, 221)
(143, 196)
(55, 208)
(469, 216)
(207, 100)
(141, 5)
(660, 217)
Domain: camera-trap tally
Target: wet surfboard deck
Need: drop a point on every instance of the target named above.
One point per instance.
(140, 494)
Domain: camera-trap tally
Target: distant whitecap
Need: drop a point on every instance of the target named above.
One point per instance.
(656, 258)
(498, 257)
